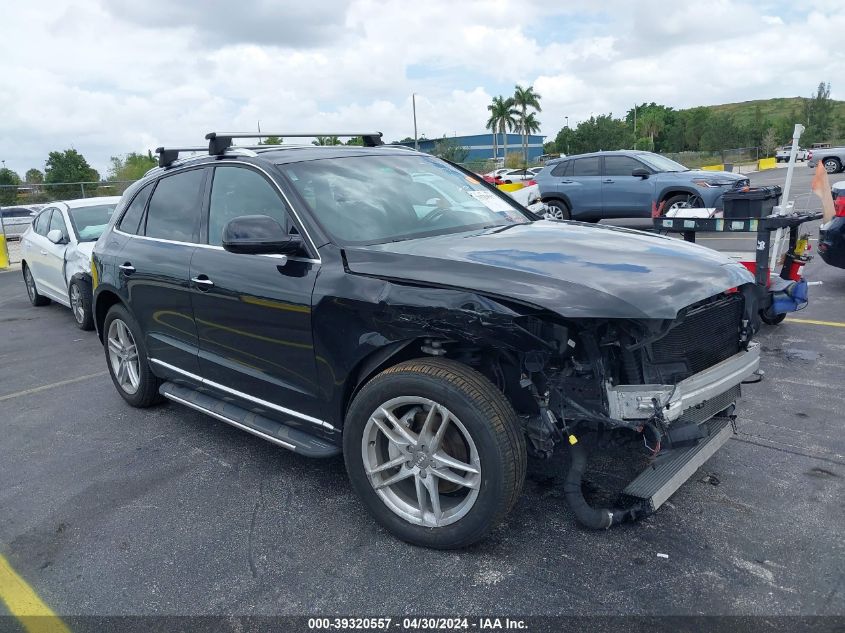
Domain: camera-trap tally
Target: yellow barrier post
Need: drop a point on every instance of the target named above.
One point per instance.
(766, 163)
(714, 168)
(4, 250)
(511, 187)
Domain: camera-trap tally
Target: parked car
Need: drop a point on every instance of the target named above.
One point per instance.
(494, 177)
(515, 175)
(529, 197)
(782, 154)
(56, 254)
(330, 299)
(16, 220)
(832, 234)
(832, 158)
(628, 184)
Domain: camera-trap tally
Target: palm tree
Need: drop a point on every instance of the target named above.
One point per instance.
(651, 124)
(501, 120)
(326, 140)
(524, 98)
(529, 125)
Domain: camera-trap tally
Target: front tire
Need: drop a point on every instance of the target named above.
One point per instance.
(770, 318)
(831, 165)
(435, 452)
(32, 290)
(685, 201)
(80, 305)
(127, 359)
(558, 210)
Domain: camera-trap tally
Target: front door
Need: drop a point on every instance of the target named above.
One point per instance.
(624, 195)
(253, 312)
(53, 259)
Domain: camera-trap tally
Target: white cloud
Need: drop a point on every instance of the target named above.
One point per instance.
(113, 76)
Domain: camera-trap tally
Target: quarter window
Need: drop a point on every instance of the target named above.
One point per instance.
(586, 166)
(132, 218)
(238, 191)
(563, 169)
(174, 210)
(620, 165)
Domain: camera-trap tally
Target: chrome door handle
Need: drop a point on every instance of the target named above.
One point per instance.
(608, 180)
(127, 268)
(43, 252)
(203, 282)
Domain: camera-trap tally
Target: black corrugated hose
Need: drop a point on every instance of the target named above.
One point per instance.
(595, 518)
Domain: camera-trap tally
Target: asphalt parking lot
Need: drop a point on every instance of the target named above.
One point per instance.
(108, 510)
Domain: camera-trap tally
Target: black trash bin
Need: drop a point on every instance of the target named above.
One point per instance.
(751, 203)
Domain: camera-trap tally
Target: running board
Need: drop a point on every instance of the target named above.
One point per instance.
(265, 428)
(660, 481)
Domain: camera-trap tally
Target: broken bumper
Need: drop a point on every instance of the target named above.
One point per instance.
(635, 402)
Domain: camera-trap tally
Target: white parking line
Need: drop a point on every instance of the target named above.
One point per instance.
(60, 383)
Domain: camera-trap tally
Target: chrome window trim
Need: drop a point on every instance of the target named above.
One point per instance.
(213, 247)
(245, 396)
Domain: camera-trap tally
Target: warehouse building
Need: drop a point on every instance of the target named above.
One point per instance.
(480, 146)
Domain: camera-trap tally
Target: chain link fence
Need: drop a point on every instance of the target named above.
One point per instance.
(30, 193)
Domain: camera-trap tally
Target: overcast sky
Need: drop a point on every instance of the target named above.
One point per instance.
(113, 76)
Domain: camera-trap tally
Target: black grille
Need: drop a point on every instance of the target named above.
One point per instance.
(707, 335)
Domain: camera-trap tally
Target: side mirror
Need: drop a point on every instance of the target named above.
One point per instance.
(56, 236)
(257, 234)
(641, 172)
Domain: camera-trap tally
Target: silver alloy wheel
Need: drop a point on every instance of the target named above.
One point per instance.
(421, 461)
(123, 356)
(681, 204)
(30, 283)
(831, 166)
(76, 303)
(554, 213)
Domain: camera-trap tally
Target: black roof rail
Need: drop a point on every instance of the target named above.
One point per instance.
(166, 155)
(218, 142)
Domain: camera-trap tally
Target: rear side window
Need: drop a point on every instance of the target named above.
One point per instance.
(563, 169)
(174, 211)
(132, 218)
(238, 191)
(586, 166)
(42, 222)
(620, 165)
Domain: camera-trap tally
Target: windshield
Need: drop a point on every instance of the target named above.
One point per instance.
(90, 222)
(375, 199)
(661, 163)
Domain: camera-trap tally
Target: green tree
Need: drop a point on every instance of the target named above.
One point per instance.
(326, 140)
(131, 166)
(66, 167)
(357, 140)
(8, 185)
(651, 123)
(722, 133)
(523, 99)
(34, 176)
(448, 149)
(272, 140)
(819, 114)
(530, 125)
(601, 132)
(769, 142)
(502, 119)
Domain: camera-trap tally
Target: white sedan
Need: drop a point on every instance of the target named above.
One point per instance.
(56, 254)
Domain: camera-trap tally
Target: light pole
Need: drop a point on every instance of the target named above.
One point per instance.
(414, 105)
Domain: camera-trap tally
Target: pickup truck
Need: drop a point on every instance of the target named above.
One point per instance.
(782, 154)
(833, 159)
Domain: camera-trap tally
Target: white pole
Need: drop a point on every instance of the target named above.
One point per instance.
(796, 134)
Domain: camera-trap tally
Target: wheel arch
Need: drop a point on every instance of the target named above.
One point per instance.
(676, 190)
(560, 197)
(103, 301)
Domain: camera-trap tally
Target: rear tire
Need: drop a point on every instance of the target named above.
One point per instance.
(558, 210)
(482, 437)
(127, 359)
(770, 318)
(31, 289)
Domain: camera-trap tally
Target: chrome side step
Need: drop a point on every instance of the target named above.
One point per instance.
(263, 427)
(660, 481)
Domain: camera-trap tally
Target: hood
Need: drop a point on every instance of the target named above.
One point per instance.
(726, 176)
(573, 269)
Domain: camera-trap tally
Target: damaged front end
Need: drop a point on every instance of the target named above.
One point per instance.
(667, 387)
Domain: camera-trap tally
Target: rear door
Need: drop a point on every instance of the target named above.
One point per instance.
(155, 264)
(584, 188)
(34, 247)
(253, 312)
(624, 195)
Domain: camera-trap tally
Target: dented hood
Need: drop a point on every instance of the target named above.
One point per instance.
(573, 269)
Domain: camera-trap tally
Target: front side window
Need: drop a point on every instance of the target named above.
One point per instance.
(90, 222)
(586, 166)
(174, 211)
(57, 223)
(376, 199)
(237, 191)
(42, 222)
(620, 165)
(131, 220)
